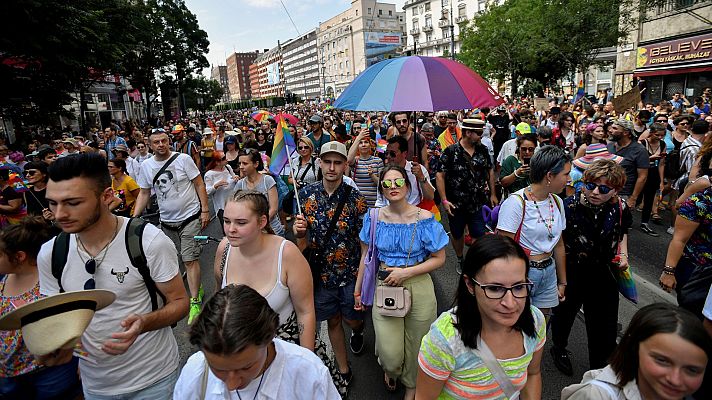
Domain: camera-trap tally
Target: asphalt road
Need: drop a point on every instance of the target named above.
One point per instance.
(647, 256)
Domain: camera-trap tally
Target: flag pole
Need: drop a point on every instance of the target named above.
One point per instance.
(291, 167)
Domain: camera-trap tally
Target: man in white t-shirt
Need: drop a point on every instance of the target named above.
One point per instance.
(183, 204)
(128, 348)
(421, 188)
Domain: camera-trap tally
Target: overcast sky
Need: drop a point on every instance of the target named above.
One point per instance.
(249, 25)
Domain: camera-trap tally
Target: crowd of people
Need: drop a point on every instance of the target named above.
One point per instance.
(537, 205)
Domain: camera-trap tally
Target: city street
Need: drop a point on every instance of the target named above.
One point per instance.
(647, 256)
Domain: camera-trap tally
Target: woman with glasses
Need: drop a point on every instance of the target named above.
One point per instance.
(489, 345)
(597, 223)
(250, 165)
(364, 165)
(264, 146)
(514, 174)
(143, 153)
(534, 217)
(657, 151)
(219, 182)
(307, 169)
(125, 189)
(37, 205)
(411, 244)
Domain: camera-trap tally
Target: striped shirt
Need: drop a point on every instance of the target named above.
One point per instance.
(444, 357)
(366, 185)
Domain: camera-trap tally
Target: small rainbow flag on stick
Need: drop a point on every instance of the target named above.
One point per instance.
(18, 183)
(283, 142)
(580, 92)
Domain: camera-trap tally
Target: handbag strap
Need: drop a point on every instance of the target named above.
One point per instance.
(412, 237)
(164, 167)
(620, 224)
(204, 381)
(518, 235)
(498, 373)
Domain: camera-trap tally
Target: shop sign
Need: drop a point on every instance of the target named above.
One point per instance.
(674, 52)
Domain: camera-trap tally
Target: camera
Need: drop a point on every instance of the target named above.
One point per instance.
(389, 302)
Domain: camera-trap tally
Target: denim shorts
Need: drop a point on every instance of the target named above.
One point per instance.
(330, 303)
(544, 293)
(474, 222)
(59, 382)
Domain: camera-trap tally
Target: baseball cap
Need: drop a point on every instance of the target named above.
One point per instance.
(523, 128)
(315, 118)
(333, 147)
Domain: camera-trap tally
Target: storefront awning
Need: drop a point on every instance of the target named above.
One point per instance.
(683, 69)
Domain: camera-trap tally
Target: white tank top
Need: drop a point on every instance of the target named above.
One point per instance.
(278, 298)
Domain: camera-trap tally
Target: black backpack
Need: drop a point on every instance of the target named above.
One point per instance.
(134, 248)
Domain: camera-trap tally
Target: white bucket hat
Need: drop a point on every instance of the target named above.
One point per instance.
(58, 321)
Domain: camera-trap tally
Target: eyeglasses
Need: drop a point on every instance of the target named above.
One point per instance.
(30, 172)
(662, 121)
(684, 123)
(391, 154)
(603, 189)
(90, 267)
(496, 292)
(402, 122)
(390, 183)
(304, 148)
(527, 149)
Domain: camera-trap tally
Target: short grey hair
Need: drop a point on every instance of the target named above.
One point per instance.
(625, 124)
(427, 126)
(547, 159)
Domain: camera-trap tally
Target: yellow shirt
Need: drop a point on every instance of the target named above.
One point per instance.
(123, 192)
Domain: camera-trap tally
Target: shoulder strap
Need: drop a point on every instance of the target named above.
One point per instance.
(60, 252)
(498, 373)
(164, 167)
(223, 261)
(517, 236)
(339, 209)
(134, 248)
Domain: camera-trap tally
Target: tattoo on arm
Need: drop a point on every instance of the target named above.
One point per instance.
(300, 327)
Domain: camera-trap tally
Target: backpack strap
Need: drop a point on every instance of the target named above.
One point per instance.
(60, 252)
(134, 248)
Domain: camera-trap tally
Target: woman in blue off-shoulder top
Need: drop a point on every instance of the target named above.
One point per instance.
(410, 244)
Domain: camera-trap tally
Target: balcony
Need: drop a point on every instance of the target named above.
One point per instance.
(414, 31)
(461, 19)
(428, 28)
(443, 23)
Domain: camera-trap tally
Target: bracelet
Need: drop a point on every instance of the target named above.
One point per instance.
(205, 212)
(668, 268)
(444, 201)
(562, 283)
(357, 293)
(666, 272)
(515, 174)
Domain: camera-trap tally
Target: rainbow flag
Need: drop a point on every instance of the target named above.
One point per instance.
(381, 143)
(432, 207)
(580, 92)
(18, 183)
(283, 142)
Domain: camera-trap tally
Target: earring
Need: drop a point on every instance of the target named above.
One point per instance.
(548, 183)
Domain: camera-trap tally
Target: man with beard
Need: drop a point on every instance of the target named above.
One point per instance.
(635, 159)
(184, 213)
(129, 335)
(416, 142)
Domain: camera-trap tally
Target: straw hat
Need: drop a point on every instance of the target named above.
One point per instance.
(596, 151)
(58, 321)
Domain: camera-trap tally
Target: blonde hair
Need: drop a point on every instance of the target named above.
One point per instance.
(308, 142)
(609, 169)
(258, 203)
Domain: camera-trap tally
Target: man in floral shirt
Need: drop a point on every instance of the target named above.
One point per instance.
(465, 183)
(338, 254)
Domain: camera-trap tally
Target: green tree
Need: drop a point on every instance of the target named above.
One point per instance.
(201, 89)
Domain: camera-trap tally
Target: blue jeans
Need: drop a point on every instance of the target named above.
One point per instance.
(60, 382)
(161, 390)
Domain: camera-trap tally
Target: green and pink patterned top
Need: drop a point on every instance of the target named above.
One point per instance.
(15, 359)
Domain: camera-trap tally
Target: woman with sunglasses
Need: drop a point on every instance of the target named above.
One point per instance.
(597, 223)
(308, 168)
(219, 181)
(514, 174)
(411, 244)
(36, 175)
(489, 345)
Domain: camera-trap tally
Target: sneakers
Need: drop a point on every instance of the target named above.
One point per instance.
(458, 266)
(356, 342)
(201, 294)
(671, 230)
(645, 228)
(562, 361)
(195, 304)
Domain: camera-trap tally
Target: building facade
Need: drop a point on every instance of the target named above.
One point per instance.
(238, 75)
(269, 72)
(301, 66)
(671, 52)
(431, 24)
(219, 74)
(350, 42)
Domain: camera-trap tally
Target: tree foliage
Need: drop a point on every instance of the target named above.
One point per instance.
(208, 90)
(50, 50)
(542, 40)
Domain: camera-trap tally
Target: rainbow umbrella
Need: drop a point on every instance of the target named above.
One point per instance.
(418, 84)
(261, 115)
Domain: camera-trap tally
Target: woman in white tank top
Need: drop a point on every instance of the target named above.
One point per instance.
(251, 254)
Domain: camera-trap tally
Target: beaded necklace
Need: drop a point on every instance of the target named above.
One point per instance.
(550, 223)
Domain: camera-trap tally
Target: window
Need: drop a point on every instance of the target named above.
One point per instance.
(369, 11)
(380, 12)
(445, 3)
(415, 11)
(428, 21)
(427, 6)
(390, 13)
(428, 37)
(461, 10)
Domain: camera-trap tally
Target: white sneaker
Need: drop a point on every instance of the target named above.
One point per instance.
(671, 230)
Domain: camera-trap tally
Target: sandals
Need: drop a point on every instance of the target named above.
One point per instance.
(390, 383)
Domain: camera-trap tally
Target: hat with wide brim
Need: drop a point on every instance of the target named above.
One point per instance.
(596, 151)
(58, 321)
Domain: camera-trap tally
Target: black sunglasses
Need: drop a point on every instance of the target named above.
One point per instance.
(391, 154)
(90, 267)
(603, 189)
